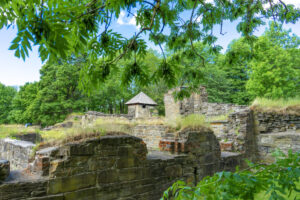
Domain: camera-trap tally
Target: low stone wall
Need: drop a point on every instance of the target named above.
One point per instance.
(93, 115)
(268, 122)
(276, 131)
(115, 167)
(215, 109)
(151, 134)
(16, 151)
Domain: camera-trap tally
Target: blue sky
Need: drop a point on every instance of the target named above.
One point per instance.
(14, 71)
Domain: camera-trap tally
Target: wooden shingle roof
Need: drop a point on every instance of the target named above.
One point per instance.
(141, 98)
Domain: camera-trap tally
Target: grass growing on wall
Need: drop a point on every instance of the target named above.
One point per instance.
(100, 127)
(16, 129)
(288, 106)
(192, 121)
(217, 118)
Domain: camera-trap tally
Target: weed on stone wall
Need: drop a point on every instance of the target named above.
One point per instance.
(282, 106)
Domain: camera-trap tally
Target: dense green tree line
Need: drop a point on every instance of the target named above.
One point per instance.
(57, 94)
(6, 96)
(267, 68)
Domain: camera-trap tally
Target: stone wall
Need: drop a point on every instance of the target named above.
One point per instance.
(268, 122)
(276, 131)
(240, 134)
(16, 151)
(268, 143)
(257, 134)
(197, 103)
(151, 134)
(215, 109)
(220, 128)
(91, 116)
(115, 167)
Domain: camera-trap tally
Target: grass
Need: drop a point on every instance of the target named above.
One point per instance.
(285, 106)
(217, 118)
(99, 127)
(191, 121)
(16, 129)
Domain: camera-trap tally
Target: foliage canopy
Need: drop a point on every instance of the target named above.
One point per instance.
(62, 28)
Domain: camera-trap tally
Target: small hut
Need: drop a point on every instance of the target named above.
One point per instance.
(140, 106)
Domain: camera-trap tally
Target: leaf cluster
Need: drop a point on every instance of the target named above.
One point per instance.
(277, 181)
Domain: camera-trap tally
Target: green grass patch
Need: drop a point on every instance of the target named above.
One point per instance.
(217, 118)
(191, 121)
(288, 106)
(16, 129)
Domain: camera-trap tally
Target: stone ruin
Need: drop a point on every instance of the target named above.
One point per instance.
(142, 164)
(197, 103)
(116, 167)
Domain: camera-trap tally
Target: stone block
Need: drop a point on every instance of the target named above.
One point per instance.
(107, 176)
(101, 163)
(174, 171)
(85, 149)
(71, 183)
(84, 194)
(226, 146)
(130, 174)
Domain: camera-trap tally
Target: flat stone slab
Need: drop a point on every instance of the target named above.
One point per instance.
(24, 144)
(21, 176)
(280, 134)
(47, 151)
(226, 154)
(153, 155)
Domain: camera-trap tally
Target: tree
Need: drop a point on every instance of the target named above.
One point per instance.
(236, 66)
(216, 81)
(280, 37)
(6, 96)
(61, 28)
(273, 72)
(58, 94)
(22, 101)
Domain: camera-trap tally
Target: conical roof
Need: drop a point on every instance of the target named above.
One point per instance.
(141, 98)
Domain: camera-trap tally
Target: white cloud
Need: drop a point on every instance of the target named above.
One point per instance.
(124, 20)
(296, 3)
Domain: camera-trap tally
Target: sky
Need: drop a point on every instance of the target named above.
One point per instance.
(14, 71)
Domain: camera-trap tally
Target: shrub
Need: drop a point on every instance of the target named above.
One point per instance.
(279, 180)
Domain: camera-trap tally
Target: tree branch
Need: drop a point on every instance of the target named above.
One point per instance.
(137, 35)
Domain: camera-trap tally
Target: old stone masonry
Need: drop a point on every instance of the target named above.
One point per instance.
(144, 162)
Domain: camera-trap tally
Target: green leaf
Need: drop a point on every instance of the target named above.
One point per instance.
(14, 46)
(17, 53)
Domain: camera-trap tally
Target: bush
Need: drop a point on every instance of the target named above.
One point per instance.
(279, 180)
